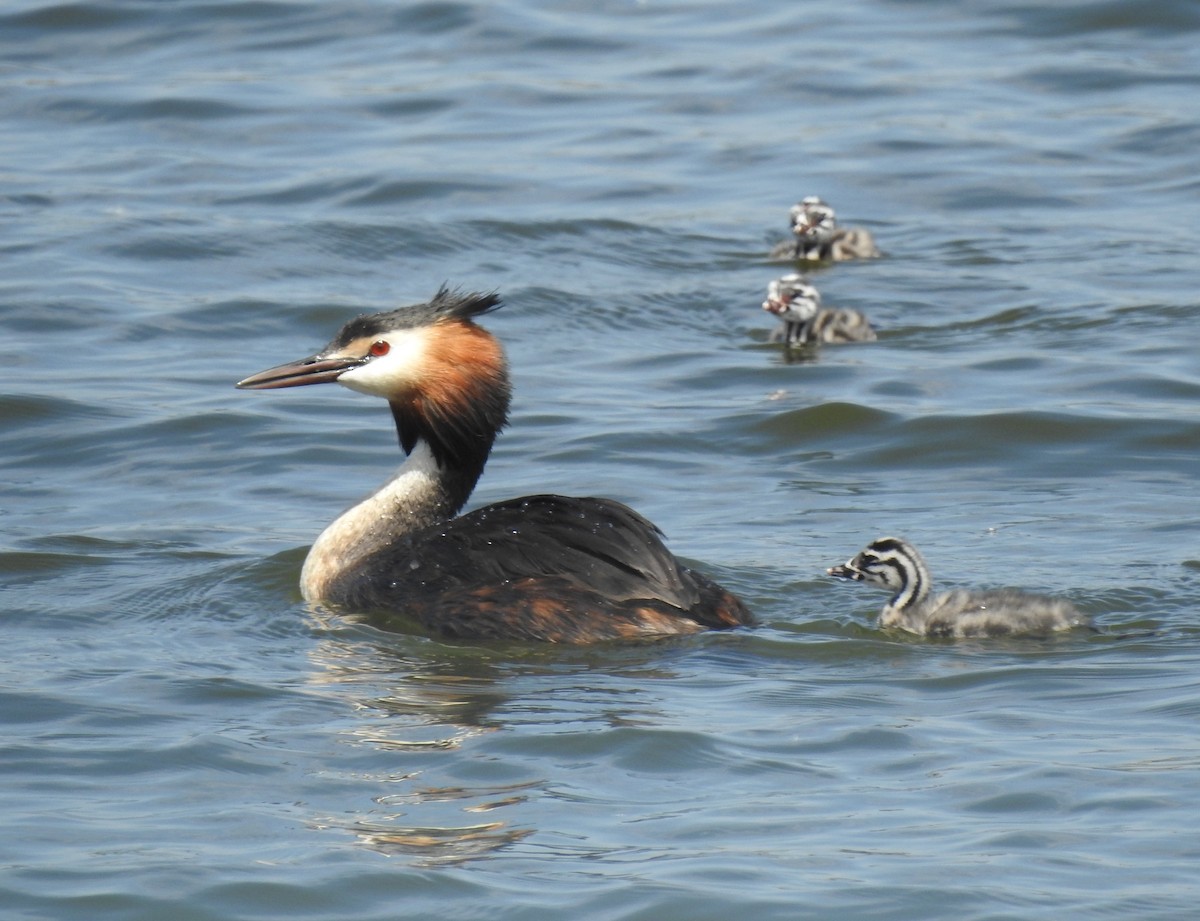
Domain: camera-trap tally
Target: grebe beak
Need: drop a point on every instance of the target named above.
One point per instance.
(845, 571)
(316, 369)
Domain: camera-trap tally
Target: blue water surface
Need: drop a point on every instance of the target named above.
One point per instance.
(193, 191)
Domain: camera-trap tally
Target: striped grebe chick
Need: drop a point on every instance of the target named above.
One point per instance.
(816, 236)
(543, 567)
(894, 564)
(798, 304)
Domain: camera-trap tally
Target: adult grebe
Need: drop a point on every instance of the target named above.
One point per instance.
(553, 568)
(805, 321)
(894, 564)
(818, 238)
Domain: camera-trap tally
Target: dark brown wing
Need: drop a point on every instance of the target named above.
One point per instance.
(590, 560)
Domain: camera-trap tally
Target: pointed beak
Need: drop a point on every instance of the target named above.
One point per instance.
(316, 369)
(845, 571)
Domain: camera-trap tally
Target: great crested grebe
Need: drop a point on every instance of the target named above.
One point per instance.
(894, 564)
(818, 238)
(552, 568)
(798, 304)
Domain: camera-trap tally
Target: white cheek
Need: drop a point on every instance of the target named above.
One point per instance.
(389, 374)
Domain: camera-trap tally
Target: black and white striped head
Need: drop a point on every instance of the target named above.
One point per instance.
(792, 299)
(813, 220)
(890, 563)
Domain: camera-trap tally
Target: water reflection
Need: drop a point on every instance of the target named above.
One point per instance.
(432, 844)
(418, 704)
(410, 701)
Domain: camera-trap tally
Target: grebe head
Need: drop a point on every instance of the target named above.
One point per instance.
(813, 220)
(445, 378)
(792, 299)
(891, 563)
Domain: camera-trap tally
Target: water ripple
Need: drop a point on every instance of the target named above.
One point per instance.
(194, 191)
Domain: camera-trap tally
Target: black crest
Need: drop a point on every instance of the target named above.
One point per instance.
(447, 304)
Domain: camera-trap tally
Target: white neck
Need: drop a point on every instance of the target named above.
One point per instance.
(411, 499)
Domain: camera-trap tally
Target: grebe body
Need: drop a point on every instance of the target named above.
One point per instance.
(894, 564)
(816, 236)
(551, 568)
(798, 304)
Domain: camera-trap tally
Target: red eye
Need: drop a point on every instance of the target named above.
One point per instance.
(379, 347)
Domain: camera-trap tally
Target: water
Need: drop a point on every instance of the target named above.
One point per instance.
(194, 191)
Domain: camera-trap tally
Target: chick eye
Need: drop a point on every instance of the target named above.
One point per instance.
(379, 347)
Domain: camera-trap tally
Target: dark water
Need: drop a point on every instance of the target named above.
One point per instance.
(192, 191)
